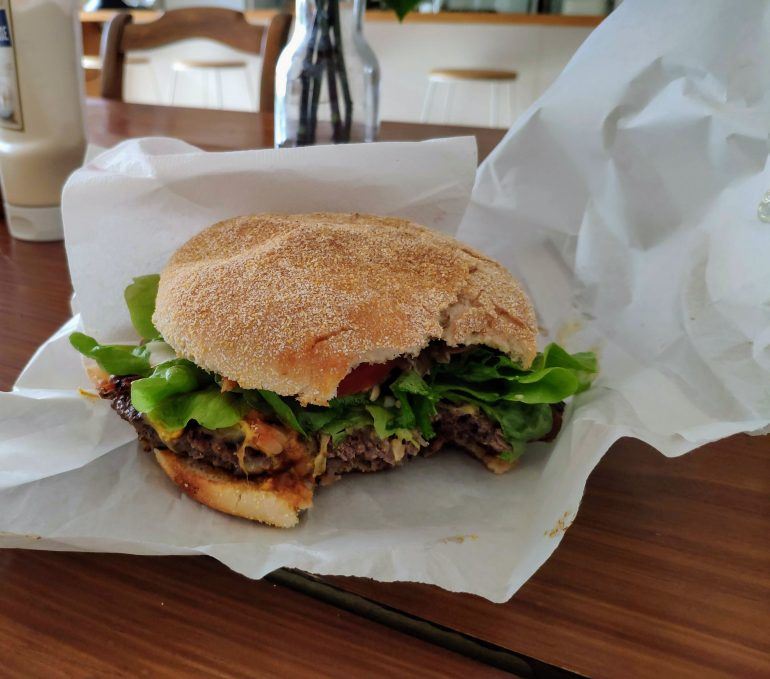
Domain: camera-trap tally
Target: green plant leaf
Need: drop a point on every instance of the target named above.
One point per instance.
(140, 300)
(402, 7)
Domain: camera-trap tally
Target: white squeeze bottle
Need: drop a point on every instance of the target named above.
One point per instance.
(42, 135)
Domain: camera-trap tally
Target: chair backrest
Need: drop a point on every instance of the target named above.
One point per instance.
(225, 26)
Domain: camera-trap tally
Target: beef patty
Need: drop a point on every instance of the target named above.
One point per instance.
(361, 451)
(199, 443)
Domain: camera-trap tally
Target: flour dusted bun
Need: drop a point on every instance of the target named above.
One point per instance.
(276, 501)
(292, 303)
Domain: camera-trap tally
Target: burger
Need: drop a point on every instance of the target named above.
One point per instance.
(280, 353)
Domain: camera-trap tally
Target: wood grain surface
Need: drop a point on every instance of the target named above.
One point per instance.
(221, 25)
(100, 615)
(35, 290)
(666, 571)
(109, 122)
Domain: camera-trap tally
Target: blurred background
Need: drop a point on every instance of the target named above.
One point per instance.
(465, 62)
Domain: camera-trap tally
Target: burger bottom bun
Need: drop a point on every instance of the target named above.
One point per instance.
(268, 501)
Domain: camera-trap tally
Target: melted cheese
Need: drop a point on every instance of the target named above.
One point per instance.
(89, 394)
(168, 436)
(264, 437)
(256, 433)
(97, 376)
(466, 409)
(319, 462)
(397, 448)
(261, 436)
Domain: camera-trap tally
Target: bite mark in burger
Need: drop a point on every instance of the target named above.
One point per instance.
(280, 352)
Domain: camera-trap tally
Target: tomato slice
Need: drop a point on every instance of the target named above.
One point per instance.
(364, 377)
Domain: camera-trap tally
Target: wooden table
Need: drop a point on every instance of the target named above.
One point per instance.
(665, 572)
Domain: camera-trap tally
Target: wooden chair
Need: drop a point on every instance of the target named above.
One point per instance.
(226, 26)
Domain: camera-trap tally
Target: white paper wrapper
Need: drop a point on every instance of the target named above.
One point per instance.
(626, 201)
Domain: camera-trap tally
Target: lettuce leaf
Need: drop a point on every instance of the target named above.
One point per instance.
(140, 300)
(382, 419)
(115, 359)
(518, 400)
(341, 427)
(314, 419)
(584, 365)
(486, 375)
(282, 410)
(210, 408)
(520, 423)
(341, 417)
(418, 403)
(177, 376)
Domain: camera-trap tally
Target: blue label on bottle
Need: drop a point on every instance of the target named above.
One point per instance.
(5, 31)
(10, 101)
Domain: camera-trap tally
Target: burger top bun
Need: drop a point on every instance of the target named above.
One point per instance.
(292, 303)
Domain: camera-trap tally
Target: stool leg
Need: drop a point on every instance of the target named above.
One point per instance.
(450, 90)
(508, 106)
(249, 94)
(426, 103)
(172, 99)
(220, 91)
(493, 106)
(155, 83)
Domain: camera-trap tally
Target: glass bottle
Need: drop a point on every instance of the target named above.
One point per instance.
(327, 80)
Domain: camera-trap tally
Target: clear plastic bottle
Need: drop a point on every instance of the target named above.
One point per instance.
(42, 133)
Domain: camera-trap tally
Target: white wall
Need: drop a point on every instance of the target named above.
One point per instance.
(406, 52)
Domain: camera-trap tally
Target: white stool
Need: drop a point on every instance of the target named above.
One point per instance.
(204, 67)
(497, 81)
(135, 61)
